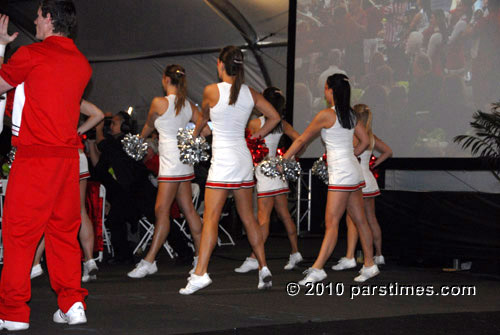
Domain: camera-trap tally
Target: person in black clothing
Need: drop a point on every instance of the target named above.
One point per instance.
(128, 186)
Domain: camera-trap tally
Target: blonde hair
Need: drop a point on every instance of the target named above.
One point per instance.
(364, 114)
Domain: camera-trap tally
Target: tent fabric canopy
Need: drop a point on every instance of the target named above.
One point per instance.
(129, 42)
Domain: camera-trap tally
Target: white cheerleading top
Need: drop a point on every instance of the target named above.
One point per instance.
(371, 189)
(272, 139)
(231, 164)
(168, 124)
(344, 170)
(229, 121)
(267, 186)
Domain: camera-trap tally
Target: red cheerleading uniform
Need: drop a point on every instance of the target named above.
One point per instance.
(43, 193)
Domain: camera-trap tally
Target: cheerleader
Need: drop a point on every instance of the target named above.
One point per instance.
(167, 115)
(337, 125)
(229, 104)
(364, 115)
(272, 192)
(86, 234)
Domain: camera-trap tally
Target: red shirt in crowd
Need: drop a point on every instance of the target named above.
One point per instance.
(55, 74)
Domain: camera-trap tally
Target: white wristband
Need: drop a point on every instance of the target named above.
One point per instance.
(2, 49)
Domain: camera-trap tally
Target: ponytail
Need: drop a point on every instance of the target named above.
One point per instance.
(276, 98)
(339, 83)
(177, 76)
(364, 114)
(232, 57)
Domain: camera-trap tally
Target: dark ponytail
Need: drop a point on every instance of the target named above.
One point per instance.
(276, 98)
(232, 57)
(177, 76)
(339, 83)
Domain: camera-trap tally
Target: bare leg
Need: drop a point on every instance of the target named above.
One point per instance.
(265, 207)
(244, 205)
(352, 237)
(355, 208)
(39, 251)
(281, 206)
(185, 201)
(214, 202)
(164, 199)
(335, 207)
(374, 226)
(86, 233)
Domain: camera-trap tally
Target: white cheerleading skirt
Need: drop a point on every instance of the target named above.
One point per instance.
(269, 187)
(84, 166)
(371, 189)
(231, 166)
(171, 168)
(344, 173)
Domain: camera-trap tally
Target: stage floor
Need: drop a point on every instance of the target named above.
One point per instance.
(233, 305)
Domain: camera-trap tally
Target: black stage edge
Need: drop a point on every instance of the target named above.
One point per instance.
(457, 323)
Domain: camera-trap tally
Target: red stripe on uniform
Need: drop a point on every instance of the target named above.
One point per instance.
(183, 178)
(372, 194)
(84, 175)
(346, 188)
(230, 185)
(267, 194)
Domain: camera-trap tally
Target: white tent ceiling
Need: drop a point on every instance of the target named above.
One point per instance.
(129, 42)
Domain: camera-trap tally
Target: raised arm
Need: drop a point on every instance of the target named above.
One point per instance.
(158, 106)
(384, 149)
(363, 139)
(272, 116)
(324, 119)
(5, 39)
(210, 99)
(93, 112)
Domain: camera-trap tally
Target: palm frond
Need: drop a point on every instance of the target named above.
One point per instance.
(485, 142)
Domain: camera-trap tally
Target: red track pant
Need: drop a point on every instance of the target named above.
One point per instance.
(42, 198)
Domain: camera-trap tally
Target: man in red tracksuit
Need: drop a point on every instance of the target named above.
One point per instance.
(43, 194)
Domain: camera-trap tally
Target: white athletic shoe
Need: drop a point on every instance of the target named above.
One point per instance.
(344, 264)
(248, 265)
(313, 276)
(366, 273)
(265, 279)
(379, 260)
(195, 262)
(13, 325)
(294, 259)
(74, 316)
(36, 271)
(196, 283)
(142, 269)
(89, 270)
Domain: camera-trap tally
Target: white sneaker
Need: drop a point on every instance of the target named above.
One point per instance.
(344, 264)
(13, 325)
(142, 269)
(366, 273)
(196, 283)
(379, 260)
(36, 271)
(294, 259)
(74, 316)
(313, 276)
(195, 262)
(248, 265)
(89, 270)
(265, 279)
